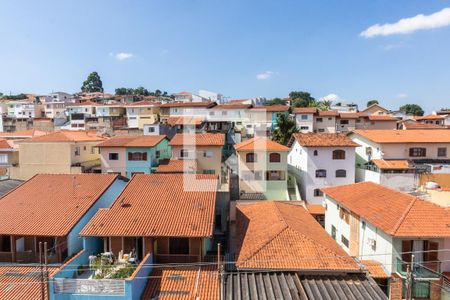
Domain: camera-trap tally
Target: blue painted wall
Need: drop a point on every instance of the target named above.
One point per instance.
(145, 166)
(75, 243)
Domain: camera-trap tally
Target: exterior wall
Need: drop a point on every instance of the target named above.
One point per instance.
(332, 219)
(88, 152)
(304, 165)
(113, 166)
(272, 189)
(328, 124)
(345, 127)
(381, 125)
(146, 166)
(305, 125)
(75, 243)
(398, 181)
(203, 163)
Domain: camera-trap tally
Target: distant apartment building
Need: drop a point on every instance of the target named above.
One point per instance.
(319, 160)
(24, 109)
(190, 97)
(80, 115)
(441, 119)
(142, 113)
(61, 152)
(130, 155)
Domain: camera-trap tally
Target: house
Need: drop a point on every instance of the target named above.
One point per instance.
(346, 122)
(325, 121)
(9, 155)
(80, 115)
(186, 109)
(60, 152)
(262, 169)
(263, 119)
(189, 97)
(413, 124)
(52, 208)
(142, 113)
(441, 120)
(399, 174)
(370, 220)
(376, 110)
(427, 149)
(304, 118)
(24, 109)
(129, 155)
(111, 116)
(321, 159)
(376, 122)
(205, 148)
(223, 118)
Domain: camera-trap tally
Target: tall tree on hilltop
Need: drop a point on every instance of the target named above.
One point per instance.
(301, 99)
(92, 84)
(285, 128)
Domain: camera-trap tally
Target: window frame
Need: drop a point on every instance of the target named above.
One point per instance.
(323, 171)
(275, 157)
(338, 154)
(251, 157)
(339, 173)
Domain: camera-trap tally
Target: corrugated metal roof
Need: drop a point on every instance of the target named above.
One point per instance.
(292, 286)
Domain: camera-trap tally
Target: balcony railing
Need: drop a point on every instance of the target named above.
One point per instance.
(89, 286)
(176, 258)
(424, 270)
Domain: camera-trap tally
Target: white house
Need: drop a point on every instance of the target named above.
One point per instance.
(373, 222)
(304, 118)
(319, 160)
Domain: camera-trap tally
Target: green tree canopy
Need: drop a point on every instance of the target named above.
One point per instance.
(412, 109)
(322, 105)
(285, 128)
(14, 97)
(301, 99)
(92, 84)
(372, 102)
(276, 101)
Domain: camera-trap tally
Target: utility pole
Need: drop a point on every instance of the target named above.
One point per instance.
(409, 282)
(42, 271)
(45, 268)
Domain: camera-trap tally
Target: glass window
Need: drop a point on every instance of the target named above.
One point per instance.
(184, 153)
(344, 122)
(207, 153)
(321, 173)
(333, 232)
(442, 152)
(338, 154)
(316, 152)
(341, 173)
(344, 241)
(318, 193)
(275, 175)
(250, 157)
(77, 151)
(275, 157)
(304, 117)
(141, 156)
(157, 154)
(319, 120)
(113, 156)
(3, 158)
(417, 152)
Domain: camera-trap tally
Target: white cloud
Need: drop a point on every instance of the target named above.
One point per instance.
(330, 97)
(409, 25)
(121, 55)
(265, 75)
(402, 96)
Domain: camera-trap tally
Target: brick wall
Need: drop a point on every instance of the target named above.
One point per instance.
(395, 289)
(435, 290)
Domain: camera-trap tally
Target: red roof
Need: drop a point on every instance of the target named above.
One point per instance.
(382, 118)
(199, 139)
(178, 166)
(23, 134)
(349, 115)
(67, 136)
(431, 117)
(396, 213)
(392, 164)
(133, 141)
(328, 113)
(405, 136)
(157, 205)
(233, 106)
(260, 144)
(305, 110)
(190, 104)
(272, 108)
(4, 144)
(50, 204)
(322, 140)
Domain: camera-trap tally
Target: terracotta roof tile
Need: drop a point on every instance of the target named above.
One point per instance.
(411, 124)
(145, 103)
(5, 144)
(349, 115)
(328, 113)
(375, 269)
(315, 209)
(395, 213)
(431, 117)
(22, 134)
(50, 205)
(260, 144)
(305, 110)
(405, 136)
(323, 140)
(19, 282)
(199, 139)
(133, 141)
(160, 205)
(67, 136)
(280, 235)
(382, 118)
(189, 104)
(272, 108)
(178, 166)
(233, 106)
(392, 164)
(187, 283)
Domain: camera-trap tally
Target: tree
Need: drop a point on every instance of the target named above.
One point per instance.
(372, 102)
(141, 91)
(301, 99)
(276, 101)
(124, 91)
(158, 93)
(285, 128)
(92, 84)
(412, 109)
(322, 105)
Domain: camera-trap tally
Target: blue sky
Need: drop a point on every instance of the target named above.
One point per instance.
(224, 45)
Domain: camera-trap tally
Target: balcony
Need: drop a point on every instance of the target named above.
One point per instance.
(425, 270)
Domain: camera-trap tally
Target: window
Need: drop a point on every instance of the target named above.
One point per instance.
(275, 157)
(77, 151)
(250, 157)
(304, 128)
(92, 150)
(341, 173)
(3, 158)
(249, 175)
(207, 153)
(344, 241)
(321, 173)
(442, 152)
(184, 153)
(319, 120)
(151, 129)
(157, 154)
(321, 130)
(275, 175)
(338, 154)
(316, 152)
(178, 246)
(344, 215)
(344, 122)
(417, 152)
(84, 148)
(209, 172)
(369, 151)
(113, 156)
(304, 117)
(142, 156)
(318, 193)
(333, 232)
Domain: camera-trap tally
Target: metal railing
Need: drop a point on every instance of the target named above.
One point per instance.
(89, 286)
(176, 258)
(424, 270)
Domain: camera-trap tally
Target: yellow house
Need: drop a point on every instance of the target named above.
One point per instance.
(377, 110)
(262, 170)
(62, 152)
(141, 113)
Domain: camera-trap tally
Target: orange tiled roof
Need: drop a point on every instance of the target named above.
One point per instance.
(4, 144)
(19, 282)
(280, 235)
(405, 136)
(24, 133)
(144, 103)
(382, 118)
(430, 117)
(50, 204)
(411, 124)
(272, 108)
(328, 113)
(392, 164)
(233, 106)
(315, 209)
(375, 269)
(133, 141)
(198, 139)
(189, 104)
(305, 110)
(173, 283)
(178, 166)
(260, 144)
(88, 103)
(160, 205)
(396, 213)
(349, 115)
(67, 136)
(322, 140)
